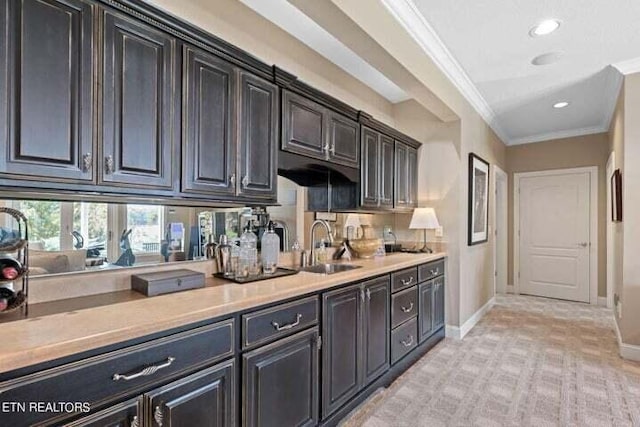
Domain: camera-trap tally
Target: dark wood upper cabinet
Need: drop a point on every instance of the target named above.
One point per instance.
(344, 140)
(281, 382)
(376, 170)
(209, 122)
(259, 118)
(376, 328)
(46, 69)
(206, 399)
(406, 176)
(341, 330)
(139, 104)
(304, 126)
(369, 170)
(386, 172)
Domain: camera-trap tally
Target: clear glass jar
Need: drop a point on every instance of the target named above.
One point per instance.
(270, 247)
(248, 256)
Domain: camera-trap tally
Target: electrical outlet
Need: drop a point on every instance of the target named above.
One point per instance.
(439, 232)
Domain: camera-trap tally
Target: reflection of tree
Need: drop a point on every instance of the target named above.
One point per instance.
(96, 219)
(44, 222)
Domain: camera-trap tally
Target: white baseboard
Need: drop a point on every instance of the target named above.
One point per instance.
(510, 289)
(627, 351)
(459, 333)
(602, 301)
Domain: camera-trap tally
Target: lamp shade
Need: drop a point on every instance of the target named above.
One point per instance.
(424, 218)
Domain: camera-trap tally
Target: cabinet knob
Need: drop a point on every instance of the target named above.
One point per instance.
(87, 162)
(135, 422)
(245, 181)
(232, 180)
(369, 294)
(332, 150)
(108, 165)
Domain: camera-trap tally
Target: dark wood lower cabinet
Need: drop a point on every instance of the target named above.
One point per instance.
(376, 328)
(280, 382)
(425, 310)
(438, 302)
(127, 414)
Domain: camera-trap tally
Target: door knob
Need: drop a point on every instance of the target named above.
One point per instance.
(583, 244)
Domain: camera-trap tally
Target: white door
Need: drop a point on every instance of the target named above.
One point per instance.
(555, 235)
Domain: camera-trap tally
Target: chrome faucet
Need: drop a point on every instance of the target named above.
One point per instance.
(327, 228)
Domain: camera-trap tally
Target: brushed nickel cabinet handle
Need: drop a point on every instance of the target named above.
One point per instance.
(149, 370)
(434, 272)
(369, 294)
(87, 161)
(158, 416)
(332, 150)
(108, 165)
(295, 323)
(409, 342)
(232, 180)
(135, 422)
(362, 295)
(407, 309)
(407, 282)
(245, 181)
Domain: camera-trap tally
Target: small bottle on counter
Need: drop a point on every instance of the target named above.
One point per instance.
(270, 247)
(321, 253)
(296, 252)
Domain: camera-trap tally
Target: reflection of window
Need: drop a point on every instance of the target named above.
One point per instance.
(90, 221)
(146, 221)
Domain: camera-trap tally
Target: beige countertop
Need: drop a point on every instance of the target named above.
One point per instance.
(41, 339)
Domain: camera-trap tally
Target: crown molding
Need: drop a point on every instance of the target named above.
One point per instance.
(630, 66)
(542, 137)
(412, 20)
(614, 84)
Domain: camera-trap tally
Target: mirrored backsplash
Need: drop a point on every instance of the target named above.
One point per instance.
(68, 236)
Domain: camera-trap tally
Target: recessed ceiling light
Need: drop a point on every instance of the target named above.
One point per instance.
(545, 27)
(547, 58)
(561, 104)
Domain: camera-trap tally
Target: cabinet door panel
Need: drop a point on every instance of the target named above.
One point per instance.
(341, 349)
(303, 126)
(127, 414)
(258, 137)
(401, 175)
(281, 382)
(204, 399)
(344, 141)
(369, 169)
(138, 104)
(386, 172)
(425, 310)
(438, 302)
(376, 357)
(209, 120)
(46, 78)
(412, 178)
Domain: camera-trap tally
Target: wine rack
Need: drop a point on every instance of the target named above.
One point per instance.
(14, 246)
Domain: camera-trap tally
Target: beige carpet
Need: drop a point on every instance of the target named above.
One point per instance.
(529, 362)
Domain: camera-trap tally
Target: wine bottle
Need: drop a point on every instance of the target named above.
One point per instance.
(10, 268)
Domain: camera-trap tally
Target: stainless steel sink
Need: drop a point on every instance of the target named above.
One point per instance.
(329, 268)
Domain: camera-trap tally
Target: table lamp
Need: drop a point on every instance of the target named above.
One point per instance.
(424, 219)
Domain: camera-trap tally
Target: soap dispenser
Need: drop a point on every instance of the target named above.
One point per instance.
(270, 246)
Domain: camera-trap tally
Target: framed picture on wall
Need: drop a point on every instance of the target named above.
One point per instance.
(616, 196)
(478, 200)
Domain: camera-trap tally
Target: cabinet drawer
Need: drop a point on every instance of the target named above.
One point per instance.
(113, 375)
(403, 340)
(275, 322)
(404, 306)
(403, 279)
(430, 270)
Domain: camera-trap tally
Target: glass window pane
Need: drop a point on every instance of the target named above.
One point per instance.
(146, 223)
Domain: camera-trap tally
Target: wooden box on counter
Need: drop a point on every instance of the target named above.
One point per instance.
(165, 282)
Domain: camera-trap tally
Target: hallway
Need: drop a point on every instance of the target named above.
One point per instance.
(529, 362)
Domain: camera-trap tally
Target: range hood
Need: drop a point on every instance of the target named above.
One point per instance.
(309, 172)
